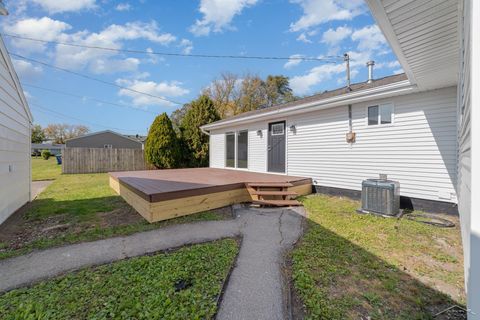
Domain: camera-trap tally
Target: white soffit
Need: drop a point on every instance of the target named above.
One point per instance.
(424, 36)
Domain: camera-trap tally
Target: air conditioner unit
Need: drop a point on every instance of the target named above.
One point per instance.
(381, 196)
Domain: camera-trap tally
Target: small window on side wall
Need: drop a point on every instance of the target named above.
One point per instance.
(381, 114)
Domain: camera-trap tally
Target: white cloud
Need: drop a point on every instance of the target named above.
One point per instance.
(218, 14)
(100, 66)
(57, 6)
(162, 89)
(369, 38)
(304, 38)
(186, 45)
(304, 83)
(26, 70)
(44, 28)
(113, 36)
(123, 7)
(334, 36)
(293, 62)
(398, 71)
(316, 12)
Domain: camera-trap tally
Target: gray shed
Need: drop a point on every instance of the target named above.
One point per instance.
(105, 139)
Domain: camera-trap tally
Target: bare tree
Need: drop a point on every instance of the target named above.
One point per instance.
(232, 94)
(60, 132)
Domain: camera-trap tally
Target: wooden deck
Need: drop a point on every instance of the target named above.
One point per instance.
(165, 194)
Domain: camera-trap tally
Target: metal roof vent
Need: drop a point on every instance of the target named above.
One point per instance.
(370, 65)
(381, 196)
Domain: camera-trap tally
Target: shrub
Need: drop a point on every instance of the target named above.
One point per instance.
(202, 111)
(162, 146)
(46, 154)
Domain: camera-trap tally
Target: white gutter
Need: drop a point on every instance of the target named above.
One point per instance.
(397, 88)
(204, 131)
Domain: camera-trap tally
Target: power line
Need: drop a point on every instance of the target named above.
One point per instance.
(93, 78)
(328, 59)
(85, 97)
(43, 109)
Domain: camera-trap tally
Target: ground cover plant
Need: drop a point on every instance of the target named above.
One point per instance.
(76, 208)
(352, 266)
(183, 284)
(45, 169)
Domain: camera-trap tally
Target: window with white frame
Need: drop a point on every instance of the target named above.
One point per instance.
(230, 150)
(242, 149)
(380, 114)
(107, 146)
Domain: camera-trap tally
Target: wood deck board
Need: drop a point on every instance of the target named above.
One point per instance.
(161, 185)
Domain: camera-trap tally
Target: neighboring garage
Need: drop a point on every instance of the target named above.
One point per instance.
(106, 139)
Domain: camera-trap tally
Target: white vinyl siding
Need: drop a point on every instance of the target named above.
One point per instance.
(418, 149)
(256, 147)
(14, 144)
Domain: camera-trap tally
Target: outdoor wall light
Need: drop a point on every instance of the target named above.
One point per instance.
(293, 128)
(259, 133)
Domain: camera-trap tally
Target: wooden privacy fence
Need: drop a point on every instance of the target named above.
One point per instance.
(96, 160)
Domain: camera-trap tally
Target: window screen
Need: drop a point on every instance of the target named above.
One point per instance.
(386, 114)
(230, 150)
(242, 149)
(372, 115)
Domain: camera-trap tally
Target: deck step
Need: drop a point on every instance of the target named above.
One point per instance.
(270, 184)
(277, 203)
(274, 193)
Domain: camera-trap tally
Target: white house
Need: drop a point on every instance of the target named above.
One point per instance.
(420, 128)
(15, 126)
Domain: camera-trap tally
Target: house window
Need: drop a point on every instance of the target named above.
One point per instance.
(230, 150)
(277, 129)
(242, 149)
(381, 114)
(107, 146)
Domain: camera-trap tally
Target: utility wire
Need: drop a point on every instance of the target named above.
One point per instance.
(329, 59)
(43, 109)
(93, 78)
(85, 97)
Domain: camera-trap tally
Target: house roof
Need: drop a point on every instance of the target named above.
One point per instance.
(136, 137)
(424, 36)
(107, 131)
(13, 74)
(356, 87)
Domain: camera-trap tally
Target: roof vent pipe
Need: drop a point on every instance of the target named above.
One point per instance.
(370, 65)
(3, 10)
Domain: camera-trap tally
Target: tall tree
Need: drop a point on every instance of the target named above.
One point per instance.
(178, 115)
(161, 146)
(59, 133)
(278, 90)
(38, 136)
(225, 93)
(201, 112)
(232, 94)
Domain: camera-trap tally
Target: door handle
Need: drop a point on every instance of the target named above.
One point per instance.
(269, 148)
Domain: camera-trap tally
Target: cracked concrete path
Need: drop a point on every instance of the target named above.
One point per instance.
(256, 288)
(39, 186)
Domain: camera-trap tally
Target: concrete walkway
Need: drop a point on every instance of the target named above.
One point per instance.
(39, 186)
(256, 289)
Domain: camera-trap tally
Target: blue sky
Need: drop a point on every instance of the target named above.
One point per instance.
(285, 28)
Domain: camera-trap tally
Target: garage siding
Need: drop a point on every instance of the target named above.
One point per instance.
(14, 143)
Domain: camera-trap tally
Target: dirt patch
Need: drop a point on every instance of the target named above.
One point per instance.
(19, 231)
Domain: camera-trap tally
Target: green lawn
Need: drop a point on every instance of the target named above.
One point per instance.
(45, 169)
(138, 288)
(352, 266)
(86, 209)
